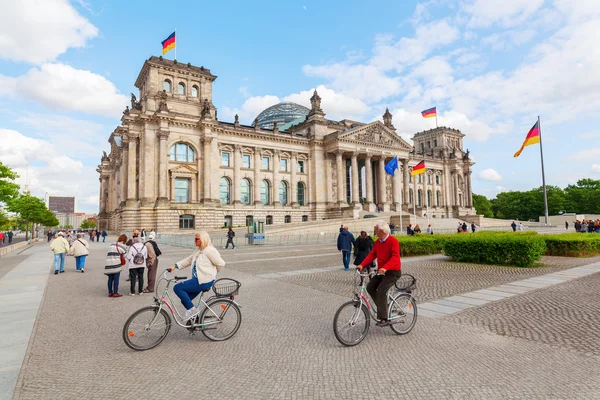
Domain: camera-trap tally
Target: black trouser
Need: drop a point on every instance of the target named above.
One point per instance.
(378, 288)
(230, 240)
(136, 274)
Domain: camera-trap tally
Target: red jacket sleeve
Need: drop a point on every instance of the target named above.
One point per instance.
(371, 256)
(394, 260)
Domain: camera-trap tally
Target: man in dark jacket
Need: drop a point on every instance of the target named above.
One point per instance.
(513, 226)
(362, 247)
(344, 244)
(230, 236)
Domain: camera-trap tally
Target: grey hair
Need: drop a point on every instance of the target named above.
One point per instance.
(383, 226)
(79, 236)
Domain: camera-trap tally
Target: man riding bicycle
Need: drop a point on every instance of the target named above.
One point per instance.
(386, 251)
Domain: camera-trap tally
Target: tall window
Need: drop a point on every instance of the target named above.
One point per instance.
(410, 196)
(225, 159)
(265, 163)
(429, 179)
(419, 179)
(181, 88)
(419, 193)
(300, 166)
(181, 152)
(438, 198)
(284, 164)
(269, 220)
(225, 191)
(428, 144)
(437, 179)
(195, 91)
(434, 142)
(186, 221)
(429, 198)
(245, 191)
(249, 220)
(300, 193)
(228, 220)
(422, 148)
(265, 192)
(182, 190)
(167, 86)
(245, 160)
(283, 193)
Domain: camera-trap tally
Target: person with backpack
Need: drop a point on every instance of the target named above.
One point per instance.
(115, 260)
(230, 236)
(136, 257)
(80, 249)
(152, 261)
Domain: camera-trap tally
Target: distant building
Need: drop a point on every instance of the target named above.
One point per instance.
(61, 204)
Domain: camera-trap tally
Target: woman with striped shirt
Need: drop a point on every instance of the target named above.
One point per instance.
(114, 265)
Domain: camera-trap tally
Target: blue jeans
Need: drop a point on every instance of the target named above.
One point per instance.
(80, 262)
(59, 261)
(113, 282)
(346, 258)
(189, 290)
(103, 239)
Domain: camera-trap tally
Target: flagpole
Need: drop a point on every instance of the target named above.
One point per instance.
(175, 44)
(415, 199)
(436, 121)
(401, 194)
(543, 175)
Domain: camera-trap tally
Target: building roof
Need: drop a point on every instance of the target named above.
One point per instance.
(282, 113)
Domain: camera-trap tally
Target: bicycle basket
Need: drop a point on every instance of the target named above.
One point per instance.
(226, 287)
(406, 283)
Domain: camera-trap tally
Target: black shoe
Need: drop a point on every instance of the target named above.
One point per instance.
(383, 322)
(62, 272)
(82, 271)
(55, 272)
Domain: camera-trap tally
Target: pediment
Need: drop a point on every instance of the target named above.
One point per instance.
(183, 169)
(375, 133)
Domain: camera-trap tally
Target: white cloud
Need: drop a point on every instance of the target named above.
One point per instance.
(335, 105)
(586, 155)
(489, 175)
(62, 87)
(244, 91)
(39, 31)
(596, 169)
(251, 108)
(484, 13)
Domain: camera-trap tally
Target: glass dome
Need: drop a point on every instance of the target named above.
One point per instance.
(281, 113)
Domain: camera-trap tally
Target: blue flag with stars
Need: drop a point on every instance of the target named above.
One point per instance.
(392, 166)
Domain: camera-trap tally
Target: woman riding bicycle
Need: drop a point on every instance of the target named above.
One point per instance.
(206, 262)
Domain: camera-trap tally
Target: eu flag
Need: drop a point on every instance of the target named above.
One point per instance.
(392, 166)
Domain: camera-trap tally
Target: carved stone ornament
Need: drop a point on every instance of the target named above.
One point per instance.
(162, 106)
(375, 134)
(277, 152)
(466, 156)
(333, 180)
(236, 121)
(237, 148)
(206, 110)
(126, 112)
(163, 134)
(105, 157)
(162, 94)
(258, 150)
(387, 119)
(135, 105)
(255, 124)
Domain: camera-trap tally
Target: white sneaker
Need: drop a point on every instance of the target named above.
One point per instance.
(189, 314)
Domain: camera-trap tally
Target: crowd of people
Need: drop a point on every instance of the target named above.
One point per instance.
(93, 234)
(586, 226)
(6, 236)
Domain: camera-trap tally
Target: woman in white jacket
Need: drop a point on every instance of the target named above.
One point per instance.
(80, 249)
(205, 262)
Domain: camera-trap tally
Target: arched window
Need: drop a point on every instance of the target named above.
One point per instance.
(245, 191)
(438, 198)
(181, 152)
(181, 88)
(265, 192)
(167, 86)
(300, 193)
(429, 198)
(305, 218)
(186, 221)
(225, 190)
(419, 196)
(287, 219)
(194, 91)
(283, 193)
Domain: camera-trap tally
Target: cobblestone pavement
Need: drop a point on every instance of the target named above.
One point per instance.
(286, 349)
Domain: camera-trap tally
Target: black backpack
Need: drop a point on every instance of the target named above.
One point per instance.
(156, 249)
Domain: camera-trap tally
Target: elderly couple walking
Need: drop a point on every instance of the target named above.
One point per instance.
(78, 248)
(346, 241)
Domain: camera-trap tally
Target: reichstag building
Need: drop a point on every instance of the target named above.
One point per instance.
(173, 165)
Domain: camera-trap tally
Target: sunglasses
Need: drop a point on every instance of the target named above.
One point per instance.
(196, 239)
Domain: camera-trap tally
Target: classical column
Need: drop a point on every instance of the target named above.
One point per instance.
(131, 171)
(456, 203)
(199, 175)
(207, 175)
(340, 176)
(102, 199)
(355, 174)
(469, 200)
(369, 180)
(276, 176)
(381, 183)
(293, 181)
(434, 194)
(257, 166)
(425, 188)
(124, 169)
(215, 171)
(237, 175)
(163, 173)
(405, 181)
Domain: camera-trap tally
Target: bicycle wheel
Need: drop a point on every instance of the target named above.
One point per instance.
(146, 328)
(403, 313)
(223, 317)
(351, 323)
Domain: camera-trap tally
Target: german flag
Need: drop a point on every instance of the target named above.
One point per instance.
(168, 43)
(533, 137)
(418, 169)
(429, 113)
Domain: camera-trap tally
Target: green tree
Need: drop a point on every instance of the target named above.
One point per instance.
(483, 206)
(8, 189)
(85, 224)
(31, 210)
(583, 197)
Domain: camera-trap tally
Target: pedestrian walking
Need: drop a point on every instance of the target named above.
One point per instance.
(49, 236)
(143, 235)
(151, 262)
(93, 235)
(464, 227)
(344, 244)
(521, 227)
(103, 236)
(97, 235)
(115, 260)
(473, 227)
(59, 247)
(513, 226)
(362, 248)
(566, 225)
(80, 249)
(230, 236)
(136, 257)
(1, 239)
(10, 236)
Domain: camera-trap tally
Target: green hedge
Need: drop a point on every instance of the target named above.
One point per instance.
(419, 245)
(520, 249)
(573, 244)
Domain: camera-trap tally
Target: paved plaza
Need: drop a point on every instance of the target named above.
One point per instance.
(541, 342)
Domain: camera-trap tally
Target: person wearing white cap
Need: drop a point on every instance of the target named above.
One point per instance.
(60, 247)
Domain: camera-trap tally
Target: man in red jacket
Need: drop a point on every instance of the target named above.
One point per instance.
(387, 252)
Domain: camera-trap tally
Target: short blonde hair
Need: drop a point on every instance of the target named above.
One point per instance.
(383, 226)
(204, 239)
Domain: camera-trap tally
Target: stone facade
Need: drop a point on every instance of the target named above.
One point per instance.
(173, 165)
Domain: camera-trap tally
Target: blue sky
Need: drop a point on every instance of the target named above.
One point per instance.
(67, 69)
